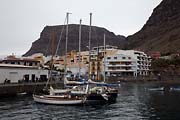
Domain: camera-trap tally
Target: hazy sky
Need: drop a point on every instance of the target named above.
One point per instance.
(21, 21)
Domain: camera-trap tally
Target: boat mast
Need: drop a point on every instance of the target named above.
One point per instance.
(65, 60)
(89, 45)
(104, 57)
(80, 48)
(52, 55)
(52, 60)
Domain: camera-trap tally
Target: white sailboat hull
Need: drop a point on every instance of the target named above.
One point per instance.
(57, 100)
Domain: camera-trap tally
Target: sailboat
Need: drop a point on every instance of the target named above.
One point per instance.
(79, 81)
(100, 92)
(60, 96)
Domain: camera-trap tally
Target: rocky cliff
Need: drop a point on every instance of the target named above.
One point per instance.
(161, 32)
(43, 44)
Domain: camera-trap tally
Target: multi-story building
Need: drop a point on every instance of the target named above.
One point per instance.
(84, 57)
(96, 59)
(143, 63)
(117, 62)
(109, 60)
(72, 62)
(120, 64)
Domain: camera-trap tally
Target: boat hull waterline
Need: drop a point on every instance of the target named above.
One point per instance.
(57, 100)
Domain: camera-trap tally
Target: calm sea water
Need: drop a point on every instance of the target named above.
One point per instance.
(135, 102)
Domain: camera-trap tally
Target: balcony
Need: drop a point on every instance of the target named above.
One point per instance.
(120, 70)
(120, 65)
(120, 60)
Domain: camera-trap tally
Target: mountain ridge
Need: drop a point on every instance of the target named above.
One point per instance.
(42, 45)
(161, 31)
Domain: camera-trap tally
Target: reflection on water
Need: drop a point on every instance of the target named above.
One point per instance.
(135, 102)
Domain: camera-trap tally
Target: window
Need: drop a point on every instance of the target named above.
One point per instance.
(13, 72)
(33, 77)
(115, 58)
(108, 58)
(129, 58)
(123, 57)
(30, 64)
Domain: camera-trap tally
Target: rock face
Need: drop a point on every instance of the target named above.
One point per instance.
(161, 32)
(44, 43)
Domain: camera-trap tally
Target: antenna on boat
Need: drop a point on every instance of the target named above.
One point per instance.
(80, 47)
(89, 45)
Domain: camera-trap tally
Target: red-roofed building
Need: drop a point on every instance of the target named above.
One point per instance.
(154, 54)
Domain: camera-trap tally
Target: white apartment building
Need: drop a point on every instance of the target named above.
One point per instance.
(127, 63)
(117, 62)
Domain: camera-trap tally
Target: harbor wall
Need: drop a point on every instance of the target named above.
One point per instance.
(160, 78)
(29, 87)
(25, 88)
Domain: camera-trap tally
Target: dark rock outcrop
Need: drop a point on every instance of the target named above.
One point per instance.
(43, 44)
(161, 32)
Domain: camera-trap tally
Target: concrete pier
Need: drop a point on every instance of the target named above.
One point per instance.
(11, 89)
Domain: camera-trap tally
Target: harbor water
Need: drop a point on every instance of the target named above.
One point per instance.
(134, 102)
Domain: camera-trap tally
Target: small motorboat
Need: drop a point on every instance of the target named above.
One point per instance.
(156, 89)
(177, 89)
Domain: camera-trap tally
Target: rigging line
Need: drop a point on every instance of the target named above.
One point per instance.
(56, 51)
(60, 36)
(47, 48)
(52, 61)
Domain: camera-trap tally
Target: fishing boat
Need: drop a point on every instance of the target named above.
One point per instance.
(59, 96)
